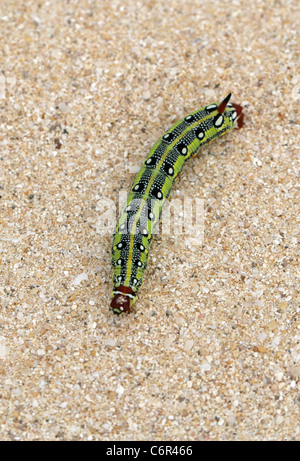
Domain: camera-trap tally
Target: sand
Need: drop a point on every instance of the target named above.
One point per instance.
(211, 350)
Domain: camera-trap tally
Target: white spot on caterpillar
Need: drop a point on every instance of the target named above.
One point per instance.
(211, 107)
(219, 121)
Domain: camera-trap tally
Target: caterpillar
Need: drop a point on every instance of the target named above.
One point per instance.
(151, 188)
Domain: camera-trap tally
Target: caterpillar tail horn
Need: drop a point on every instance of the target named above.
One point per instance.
(223, 104)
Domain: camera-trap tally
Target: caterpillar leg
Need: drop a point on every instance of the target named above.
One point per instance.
(240, 115)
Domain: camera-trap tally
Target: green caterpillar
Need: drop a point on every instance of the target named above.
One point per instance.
(151, 188)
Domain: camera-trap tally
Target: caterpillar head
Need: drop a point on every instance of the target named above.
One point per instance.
(122, 300)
